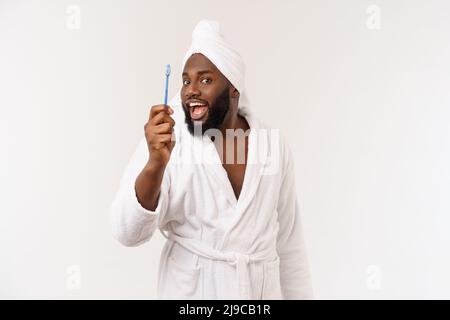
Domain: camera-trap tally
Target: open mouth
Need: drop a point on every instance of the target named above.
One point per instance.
(198, 110)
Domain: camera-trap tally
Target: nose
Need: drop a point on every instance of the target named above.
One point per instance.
(191, 91)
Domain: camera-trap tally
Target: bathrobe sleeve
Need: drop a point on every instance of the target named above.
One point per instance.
(131, 224)
(294, 269)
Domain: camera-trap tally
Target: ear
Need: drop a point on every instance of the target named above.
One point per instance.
(234, 93)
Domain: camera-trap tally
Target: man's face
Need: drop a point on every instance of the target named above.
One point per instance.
(205, 94)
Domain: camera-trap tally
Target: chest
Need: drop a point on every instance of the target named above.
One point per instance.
(236, 174)
(234, 161)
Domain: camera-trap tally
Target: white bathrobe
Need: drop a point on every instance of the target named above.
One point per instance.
(220, 247)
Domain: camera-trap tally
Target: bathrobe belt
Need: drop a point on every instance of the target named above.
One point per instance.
(237, 259)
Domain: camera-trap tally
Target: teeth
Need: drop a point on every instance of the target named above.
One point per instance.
(196, 104)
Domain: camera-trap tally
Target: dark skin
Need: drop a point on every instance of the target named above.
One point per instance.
(203, 81)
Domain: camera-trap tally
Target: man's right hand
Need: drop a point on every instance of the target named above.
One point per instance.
(158, 133)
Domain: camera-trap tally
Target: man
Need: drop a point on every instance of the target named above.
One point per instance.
(218, 184)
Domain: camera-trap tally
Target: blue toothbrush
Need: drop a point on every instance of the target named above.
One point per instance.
(167, 84)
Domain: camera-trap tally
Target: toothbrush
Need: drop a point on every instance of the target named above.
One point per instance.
(167, 84)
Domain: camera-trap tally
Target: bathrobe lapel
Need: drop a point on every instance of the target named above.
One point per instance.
(257, 155)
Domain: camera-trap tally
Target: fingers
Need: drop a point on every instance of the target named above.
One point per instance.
(162, 117)
(154, 110)
(164, 138)
(163, 128)
(161, 140)
(159, 130)
(171, 145)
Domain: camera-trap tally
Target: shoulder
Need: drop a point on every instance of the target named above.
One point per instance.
(275, 143)
(276, 136)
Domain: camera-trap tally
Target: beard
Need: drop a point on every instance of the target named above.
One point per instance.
(216, 114)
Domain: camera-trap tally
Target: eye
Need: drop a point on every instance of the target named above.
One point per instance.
(206, 81)
(185, 82)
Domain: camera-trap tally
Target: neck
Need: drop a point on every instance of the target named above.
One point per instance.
(234, 121)
(238, 141)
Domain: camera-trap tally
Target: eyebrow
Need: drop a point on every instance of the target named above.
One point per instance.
(199, 72)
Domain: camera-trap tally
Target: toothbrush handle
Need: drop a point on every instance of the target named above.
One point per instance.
(166, 91)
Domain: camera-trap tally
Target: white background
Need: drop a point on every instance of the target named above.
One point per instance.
(366, 112)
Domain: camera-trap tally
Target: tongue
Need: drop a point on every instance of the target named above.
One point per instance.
(199, 110)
